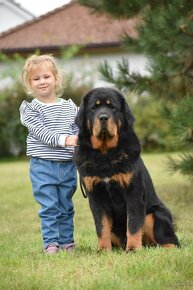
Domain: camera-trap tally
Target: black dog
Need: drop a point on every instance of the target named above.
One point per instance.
(126, 210)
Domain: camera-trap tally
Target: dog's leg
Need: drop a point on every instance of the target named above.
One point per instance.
(103, 224)
(135, 220)
(134, 241)
(148, 231)
(163, 228)
(104, 237)
(116, 241)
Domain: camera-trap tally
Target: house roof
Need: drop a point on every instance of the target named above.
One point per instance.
(71, 24)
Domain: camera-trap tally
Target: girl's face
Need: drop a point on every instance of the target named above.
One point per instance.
(43, 83)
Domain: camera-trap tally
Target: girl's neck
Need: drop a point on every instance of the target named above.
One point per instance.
(46, 100)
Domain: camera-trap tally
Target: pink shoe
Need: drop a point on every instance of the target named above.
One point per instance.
(69, 248)
(51, 249)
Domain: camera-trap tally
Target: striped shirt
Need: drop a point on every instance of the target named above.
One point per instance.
(48, 126)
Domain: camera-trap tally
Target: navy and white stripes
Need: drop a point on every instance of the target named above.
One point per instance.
(48, 126)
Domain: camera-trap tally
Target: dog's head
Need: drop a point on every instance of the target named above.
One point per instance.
(103, 116)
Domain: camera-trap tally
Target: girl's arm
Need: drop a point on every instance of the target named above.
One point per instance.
(31, 119)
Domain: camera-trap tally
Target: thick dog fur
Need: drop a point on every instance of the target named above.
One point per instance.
(126, 209)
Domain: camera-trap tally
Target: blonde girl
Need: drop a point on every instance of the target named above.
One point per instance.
(52, 135)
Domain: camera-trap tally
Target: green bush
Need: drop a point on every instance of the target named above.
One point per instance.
(12, 132)
(75, 92)
(150, 126)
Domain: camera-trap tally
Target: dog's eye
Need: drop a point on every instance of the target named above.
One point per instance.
(110, 105)
(96, 105)
(94, 108)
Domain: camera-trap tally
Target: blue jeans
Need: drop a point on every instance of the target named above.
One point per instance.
(54, 184)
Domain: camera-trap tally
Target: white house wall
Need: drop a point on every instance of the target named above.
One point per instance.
(85, 68)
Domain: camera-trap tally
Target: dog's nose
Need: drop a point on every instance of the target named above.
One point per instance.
(103, 117)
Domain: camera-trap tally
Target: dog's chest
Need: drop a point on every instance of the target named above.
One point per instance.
(105, 165)
(119, 179)
(106, 180)
(106, 171)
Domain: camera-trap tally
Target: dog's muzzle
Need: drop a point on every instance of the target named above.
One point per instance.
(103, 118)
(104, 131)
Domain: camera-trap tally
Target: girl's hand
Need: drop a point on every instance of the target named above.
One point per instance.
(72, 140)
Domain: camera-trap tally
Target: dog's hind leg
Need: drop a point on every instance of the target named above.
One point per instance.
(164, 229)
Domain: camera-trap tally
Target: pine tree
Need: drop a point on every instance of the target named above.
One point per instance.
(165, 36)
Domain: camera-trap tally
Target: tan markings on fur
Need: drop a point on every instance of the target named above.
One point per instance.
(116, 241)
(134, 241)
(122, 178)
(104, 145)
(96, 127)
(104, 242)
(148, 231)
(90, 181)
(112, 127)
(108, 143)
(168, 246)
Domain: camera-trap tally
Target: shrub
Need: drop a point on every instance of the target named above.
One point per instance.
(12, 132)
(150, 126)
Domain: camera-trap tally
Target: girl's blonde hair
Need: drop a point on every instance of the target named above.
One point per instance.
(36, 60)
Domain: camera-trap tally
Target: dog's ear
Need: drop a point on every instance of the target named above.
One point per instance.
(81, 115)
(128, 115)
(127, 130)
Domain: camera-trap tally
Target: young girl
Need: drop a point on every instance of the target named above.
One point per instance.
(52, 136)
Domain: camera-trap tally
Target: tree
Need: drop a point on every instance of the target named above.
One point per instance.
(165, 36)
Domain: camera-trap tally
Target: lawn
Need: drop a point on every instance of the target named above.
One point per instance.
(23, 265)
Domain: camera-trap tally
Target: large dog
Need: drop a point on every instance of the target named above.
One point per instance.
(126, 210)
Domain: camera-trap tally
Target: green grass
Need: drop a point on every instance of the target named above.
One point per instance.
(23, 265)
